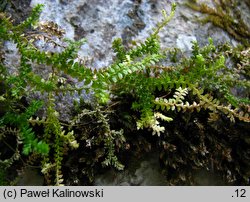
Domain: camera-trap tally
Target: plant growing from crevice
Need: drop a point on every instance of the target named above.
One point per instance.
(54, 142)
(203, 82)
(10, 152)
(227, 15)
(158, 93)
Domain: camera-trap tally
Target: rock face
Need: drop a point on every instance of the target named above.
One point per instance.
(30, 177)
(100, 22)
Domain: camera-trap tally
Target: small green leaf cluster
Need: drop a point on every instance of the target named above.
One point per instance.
(4, 134)
(27, 135)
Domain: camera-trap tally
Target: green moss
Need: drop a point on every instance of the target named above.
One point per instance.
(225, 15)
(157, 94)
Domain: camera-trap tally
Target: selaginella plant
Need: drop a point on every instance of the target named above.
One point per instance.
(201, 82)
(205, 77)
(227, 15)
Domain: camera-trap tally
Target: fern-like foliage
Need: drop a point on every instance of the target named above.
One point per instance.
(225, 14)
(130, 62)
(205, 71)
(27, 135)
(202, 82)
(102, 134)
(25, 80)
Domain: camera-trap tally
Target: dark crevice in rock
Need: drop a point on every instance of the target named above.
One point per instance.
(137, 23)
